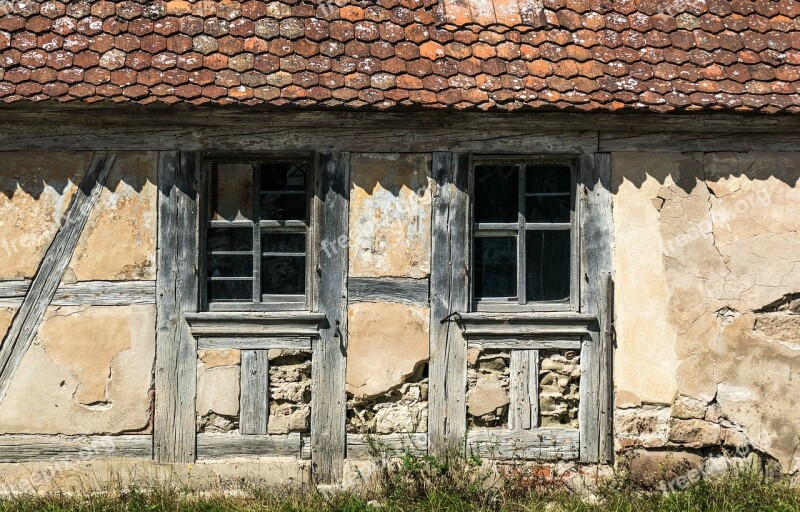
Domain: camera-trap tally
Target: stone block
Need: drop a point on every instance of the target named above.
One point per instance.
(217, 391)
(694, 433)
(652, 467)
(390, 215)
(89, 371)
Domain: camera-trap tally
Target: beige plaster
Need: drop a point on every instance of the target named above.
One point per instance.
(218, 375)
(386, 343)
(6, 316)
(119, 240)
(88, 371)
(36, 188)
(390, 215)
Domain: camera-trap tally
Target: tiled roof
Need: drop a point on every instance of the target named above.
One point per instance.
(591, 55)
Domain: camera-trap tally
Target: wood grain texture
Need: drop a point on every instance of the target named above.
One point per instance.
(540, 444)
(596, 271)
(226, 446)
(447, 419)
(698, 141)
(514, 343)
(274, 324)
(254, 392)
(254, 343)
(329, 360)
(523, 409)
(392, 445)
(404, 290)
(51, 270)
(177, 293)
(27, 448)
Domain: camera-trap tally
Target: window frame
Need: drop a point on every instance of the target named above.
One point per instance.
(310, 228)
(519, 228)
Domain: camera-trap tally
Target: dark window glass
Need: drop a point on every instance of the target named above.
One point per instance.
(230, 239)
(548, 196)
(284, 243)
(495, 267)
(228, 265)
(496, 193)
(230, 291)
(283, 275)
(283, 191)
(548, 265)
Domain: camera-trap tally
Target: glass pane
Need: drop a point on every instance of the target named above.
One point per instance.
(548, 179)
(277, 206)
(283, 275)
(496, 193)
(230, 239)
(230, 266)
(495, 267)
(232, 192)
(280, 176)
(548, 265)
(283, 242)
(222, 291)
(547, 208)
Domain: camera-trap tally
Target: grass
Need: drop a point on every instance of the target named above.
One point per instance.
(457, 485)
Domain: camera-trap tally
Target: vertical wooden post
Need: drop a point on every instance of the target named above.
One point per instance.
(523, 413)
(329, 360)
(254, 393)
(447, 414)
(174, 430)
(596, 277)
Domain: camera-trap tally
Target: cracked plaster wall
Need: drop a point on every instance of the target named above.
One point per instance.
(707, 263)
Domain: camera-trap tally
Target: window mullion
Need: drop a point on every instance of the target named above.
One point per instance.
(256, 234)
(521, 291)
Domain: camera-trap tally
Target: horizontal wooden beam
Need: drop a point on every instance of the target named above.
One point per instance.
(283, 324)
(698, 141)
(254, 343)
(225, 446)
(86, 293)
(404, 290)
(536, 444)
(514, 343)
(361, 446)
(26, 448)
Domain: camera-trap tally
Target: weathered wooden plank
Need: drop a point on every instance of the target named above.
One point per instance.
(404, 290)
(596, 269)
(698, 141)
(523, 411)
(225, 446)
(329, 360)
(254, 392)
(515, 343)
(391, 445)
(474, 319)
(537, 444)
(27, 448)
(279, 324)
(48, 276)
(447, 421)
(255, 343)
(521, 331)
(177, 293)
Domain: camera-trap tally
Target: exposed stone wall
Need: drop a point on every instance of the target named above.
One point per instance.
(708, 276)
(488, 380)
(289, 391)
(218, 374)
(559, 388)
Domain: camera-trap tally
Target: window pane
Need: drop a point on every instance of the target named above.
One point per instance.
(495, 267)
(222, 291)
(547, 208)
(232, 192)
(547, 179)
(548, 265)
(279, 176)
(230, 239)
(283, 206)
(496, 193)
(284, 242)
(230, 265)
(283, 275)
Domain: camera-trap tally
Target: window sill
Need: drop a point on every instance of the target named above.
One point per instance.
(511, 330)
(254, 329)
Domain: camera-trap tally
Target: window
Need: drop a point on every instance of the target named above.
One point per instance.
(258, 234)
(524, 243)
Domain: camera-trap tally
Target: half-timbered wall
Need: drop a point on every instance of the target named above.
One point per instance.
(688, 280)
